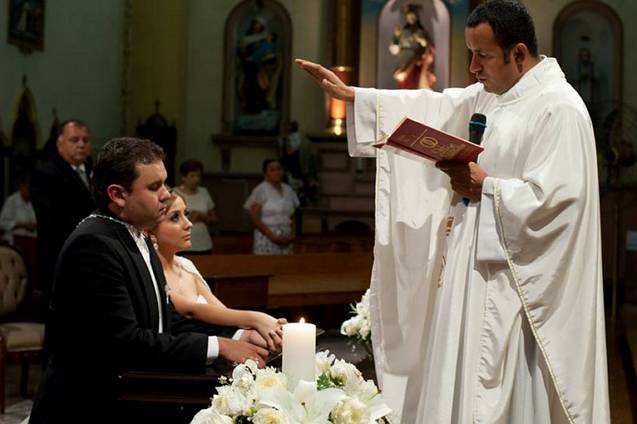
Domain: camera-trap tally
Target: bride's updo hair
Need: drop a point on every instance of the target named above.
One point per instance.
(173, 196)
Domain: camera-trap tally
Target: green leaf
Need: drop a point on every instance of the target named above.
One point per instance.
(323, 382)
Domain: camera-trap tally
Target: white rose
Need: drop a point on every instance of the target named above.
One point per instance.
(269, 416)
(268, 378)
(346, 372)
(362, 309)
(243, 378)
(365, 391)
(365, 330)
(350, 411)
(210, 416)
(230, 401)
(350, 327)
(324, 361)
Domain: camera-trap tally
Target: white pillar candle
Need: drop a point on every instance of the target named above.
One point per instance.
(299, 348)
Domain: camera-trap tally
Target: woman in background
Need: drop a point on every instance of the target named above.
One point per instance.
(200, 205)
(271, 205)
(190, 295)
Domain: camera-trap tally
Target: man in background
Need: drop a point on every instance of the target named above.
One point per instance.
(61, 195)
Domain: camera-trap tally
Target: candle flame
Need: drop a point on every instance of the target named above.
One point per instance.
(302, 320)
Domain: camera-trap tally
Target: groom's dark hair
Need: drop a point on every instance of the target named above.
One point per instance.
(511, 24)
(117, 164)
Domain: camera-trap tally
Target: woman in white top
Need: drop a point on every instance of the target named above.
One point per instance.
(188, 291)
(200, 205)
(18, 217)
(271, 205)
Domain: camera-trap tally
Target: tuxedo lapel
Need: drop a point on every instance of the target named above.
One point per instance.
(146, 289)
(161, 285)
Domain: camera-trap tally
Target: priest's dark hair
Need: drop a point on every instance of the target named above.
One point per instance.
(117, 164)
(510, 21)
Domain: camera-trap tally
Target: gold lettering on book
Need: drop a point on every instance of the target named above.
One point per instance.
(428, 145)
(428, 142)
(444, 151)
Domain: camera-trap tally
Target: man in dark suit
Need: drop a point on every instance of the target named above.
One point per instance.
(61, 195)
(109, 311)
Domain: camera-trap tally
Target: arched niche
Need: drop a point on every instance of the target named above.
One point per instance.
(588, 42)
(24, 137)
(258, 49)
(434, 17)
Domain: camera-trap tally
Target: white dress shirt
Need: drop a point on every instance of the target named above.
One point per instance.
(140, 241)
(14, 210)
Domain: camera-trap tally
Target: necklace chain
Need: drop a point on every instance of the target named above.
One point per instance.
(110, 218)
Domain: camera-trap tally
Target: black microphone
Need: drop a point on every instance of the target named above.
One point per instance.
(477, 125)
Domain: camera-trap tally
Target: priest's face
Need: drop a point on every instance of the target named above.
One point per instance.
(487, 60)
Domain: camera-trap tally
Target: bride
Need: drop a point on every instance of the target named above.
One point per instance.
(189, 293)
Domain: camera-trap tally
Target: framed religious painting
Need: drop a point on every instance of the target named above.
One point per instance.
(258, 40)
(26, 25)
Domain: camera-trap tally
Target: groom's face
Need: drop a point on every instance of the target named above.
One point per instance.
(145, 203)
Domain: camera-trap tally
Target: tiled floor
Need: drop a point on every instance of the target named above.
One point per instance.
(622, 390)
(17, 407)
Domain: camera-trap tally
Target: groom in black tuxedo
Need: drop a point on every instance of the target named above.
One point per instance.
(109, 311)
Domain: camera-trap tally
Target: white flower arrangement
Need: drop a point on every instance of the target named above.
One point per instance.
(340, 395)
(359, 326)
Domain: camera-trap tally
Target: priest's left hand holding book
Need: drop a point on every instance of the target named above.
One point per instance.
(466, 178)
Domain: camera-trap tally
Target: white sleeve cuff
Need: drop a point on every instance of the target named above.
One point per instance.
(213, 350)
(361, 123)
(487, 186)
(489, 246)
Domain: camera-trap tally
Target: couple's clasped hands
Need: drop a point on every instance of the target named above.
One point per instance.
(264, 336)
(265, 331)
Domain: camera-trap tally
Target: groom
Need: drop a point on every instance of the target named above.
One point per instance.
(109, 312)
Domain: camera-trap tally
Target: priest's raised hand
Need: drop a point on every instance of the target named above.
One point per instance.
(329, 82)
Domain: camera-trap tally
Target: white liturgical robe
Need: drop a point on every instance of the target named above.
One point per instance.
(502, 320)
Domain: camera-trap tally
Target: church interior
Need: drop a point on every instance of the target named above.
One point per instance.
(215, 81)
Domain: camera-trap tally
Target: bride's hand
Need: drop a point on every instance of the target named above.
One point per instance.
(269, 329)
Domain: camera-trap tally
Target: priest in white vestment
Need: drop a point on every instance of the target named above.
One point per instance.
(501, 320)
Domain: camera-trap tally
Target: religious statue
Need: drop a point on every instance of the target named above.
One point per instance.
(586, 78)
(415, 51)
(259, 68)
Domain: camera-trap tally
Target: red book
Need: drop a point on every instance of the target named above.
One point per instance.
(418, 139)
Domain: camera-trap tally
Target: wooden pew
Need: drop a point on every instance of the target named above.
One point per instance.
(244, 281)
